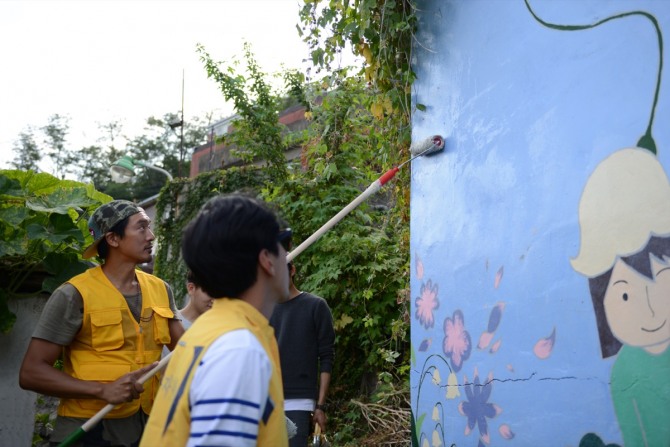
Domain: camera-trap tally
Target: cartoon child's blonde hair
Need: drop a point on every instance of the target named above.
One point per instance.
(625, 202)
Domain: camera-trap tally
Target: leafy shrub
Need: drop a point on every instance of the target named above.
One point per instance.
(43, 229)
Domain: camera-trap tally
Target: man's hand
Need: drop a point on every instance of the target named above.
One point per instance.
(127, 387)
(320, 418)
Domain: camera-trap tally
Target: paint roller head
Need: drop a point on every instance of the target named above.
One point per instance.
(427, 146)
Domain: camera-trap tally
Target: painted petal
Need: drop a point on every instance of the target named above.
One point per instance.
(469, 394)
(506, 432)
(499, 276)
(437, 442)
(485, 392)
(509, 367)
(425, 443)
(460, 409)
(495, 347)
(483, 428)
(486, 438)
(544, 346)
(419, 267)
(476, 389)
(498, 410)
(425, 344)
(495, 317)
(436, 413)
(452, 387)
(484, 340)
(436, 377)
(467, 430)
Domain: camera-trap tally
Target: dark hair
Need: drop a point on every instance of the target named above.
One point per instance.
(120, 230)
(190, 278)
(658, 247)
(222, 243)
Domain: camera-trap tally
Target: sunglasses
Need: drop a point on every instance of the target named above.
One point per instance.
(284, 238)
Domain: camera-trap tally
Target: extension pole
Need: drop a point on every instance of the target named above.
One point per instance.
(424, 147)
(373, 188)
(88, 425)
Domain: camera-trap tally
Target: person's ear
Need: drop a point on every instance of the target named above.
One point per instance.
(266, 262)
(190, 287)
(112, 239)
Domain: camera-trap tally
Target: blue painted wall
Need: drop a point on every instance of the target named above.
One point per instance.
(505, 339)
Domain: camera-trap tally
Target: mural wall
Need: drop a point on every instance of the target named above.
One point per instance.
(541, 234)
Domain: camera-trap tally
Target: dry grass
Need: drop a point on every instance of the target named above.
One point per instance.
(389, 420)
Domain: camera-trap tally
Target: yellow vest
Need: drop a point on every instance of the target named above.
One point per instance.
(169, 424)
(111, 343)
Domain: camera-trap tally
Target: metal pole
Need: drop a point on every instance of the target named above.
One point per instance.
(181, 137)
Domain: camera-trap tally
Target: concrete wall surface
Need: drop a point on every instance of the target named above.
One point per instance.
(540, 237)
(17, 407)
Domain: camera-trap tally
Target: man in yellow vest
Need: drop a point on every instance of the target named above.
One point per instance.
(223, 384)
(109, 324)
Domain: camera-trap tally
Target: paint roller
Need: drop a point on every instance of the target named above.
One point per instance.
(426, 147)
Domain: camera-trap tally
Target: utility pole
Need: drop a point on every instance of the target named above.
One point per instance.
(181, 136)
(180, 124)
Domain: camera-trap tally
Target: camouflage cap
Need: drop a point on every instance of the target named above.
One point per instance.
(104, 219)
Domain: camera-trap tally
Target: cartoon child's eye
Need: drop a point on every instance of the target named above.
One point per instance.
(625, 297)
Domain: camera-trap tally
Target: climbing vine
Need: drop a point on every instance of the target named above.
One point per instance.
(179, 202)
(381, 33)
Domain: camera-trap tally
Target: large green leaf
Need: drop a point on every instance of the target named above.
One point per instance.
(14, 246)
(14, 215)
(64, 268)
(36, 232)
(62, 222)
(61, 200)
(9, 187)
(55, 262)
(97, 195)
(32, 182)
(42, 221)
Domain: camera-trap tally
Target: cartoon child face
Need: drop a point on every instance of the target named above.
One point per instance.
(638, 308)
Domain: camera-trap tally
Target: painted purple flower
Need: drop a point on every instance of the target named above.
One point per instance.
(477, 408)
(426, 304)
(456, 345)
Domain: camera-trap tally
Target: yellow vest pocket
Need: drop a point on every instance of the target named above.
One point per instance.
(106, 330)
(161, 329)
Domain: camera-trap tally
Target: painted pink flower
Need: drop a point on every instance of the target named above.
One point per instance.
(456, 345)
(426, 304)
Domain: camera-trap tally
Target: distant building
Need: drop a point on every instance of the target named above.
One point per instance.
(216, 154)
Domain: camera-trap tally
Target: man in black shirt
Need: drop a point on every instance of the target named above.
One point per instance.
(306, 338)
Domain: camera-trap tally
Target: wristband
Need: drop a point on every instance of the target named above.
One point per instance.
(320, 407)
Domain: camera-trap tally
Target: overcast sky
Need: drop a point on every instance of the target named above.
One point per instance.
(97, 61)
